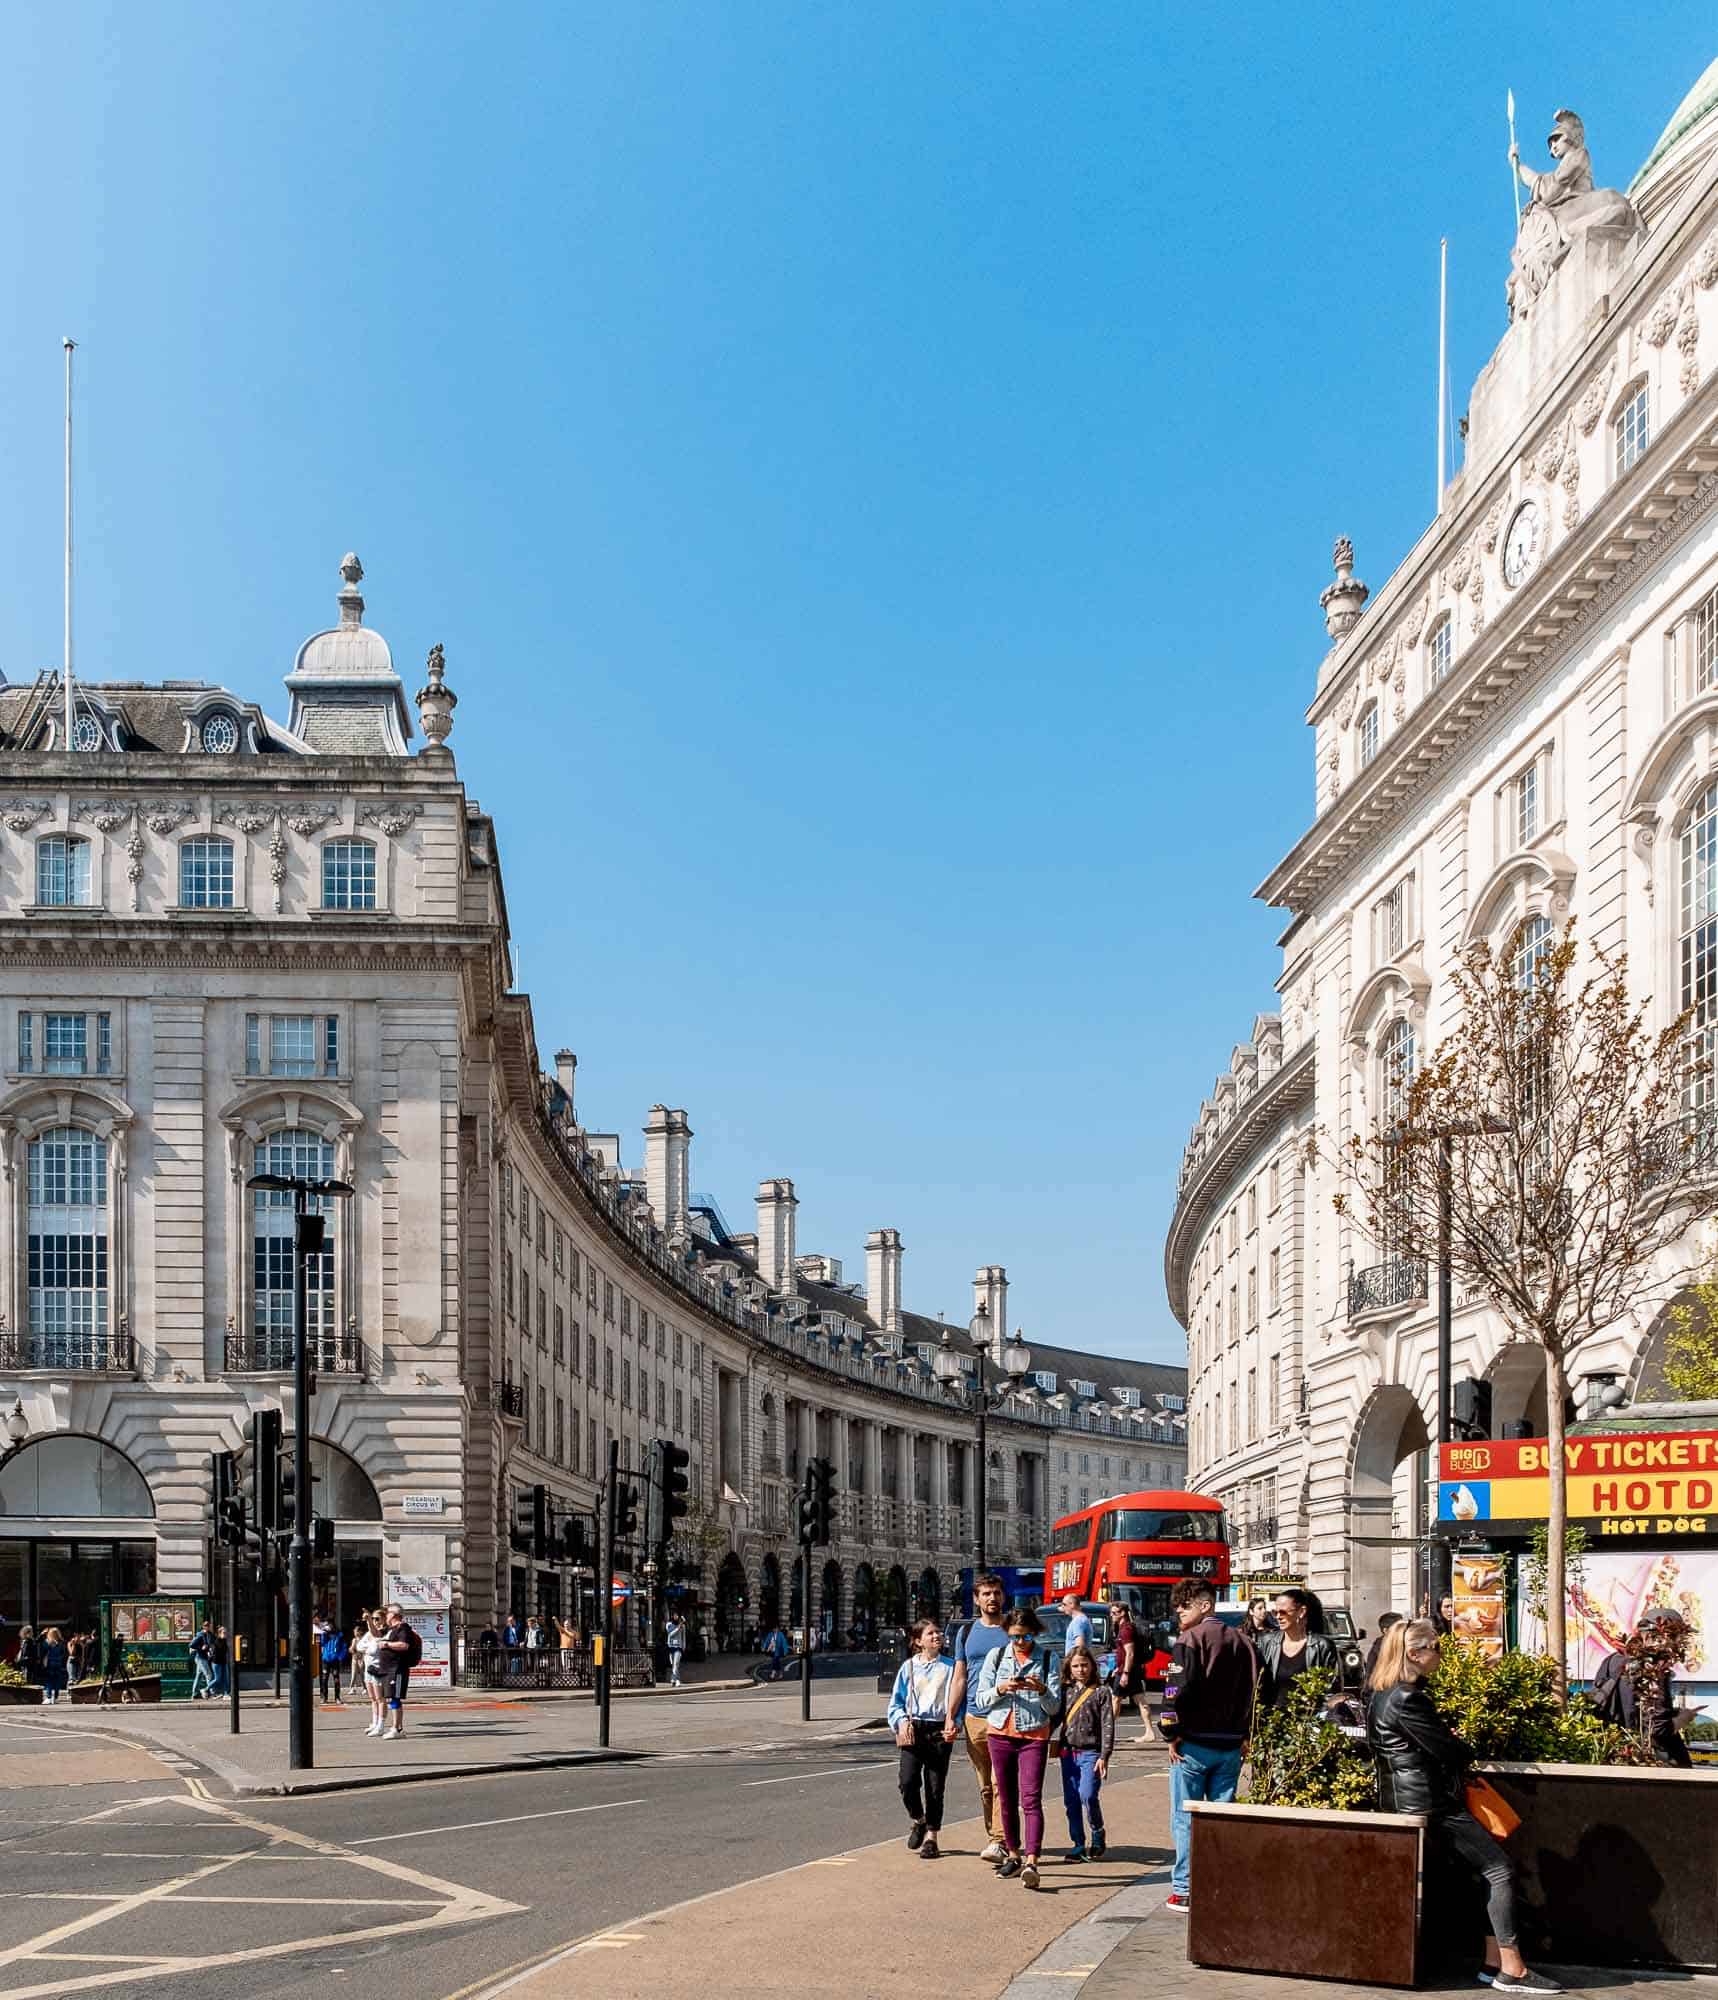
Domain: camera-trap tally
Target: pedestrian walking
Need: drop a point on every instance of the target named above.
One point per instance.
(369, 1650)
(1296, 1647)
(1079, 1632)
(921, 1713)
(1085, 1741)
(1207, 1713)
(220, 1651)
(203, 1661)
(983, 1636)
(402, 1649)
(675, 1633)
(1129, 1668)
(1259, 1620)
(1422, 1768)
(1020, 1691)
(53, 1664)
(332, 1660)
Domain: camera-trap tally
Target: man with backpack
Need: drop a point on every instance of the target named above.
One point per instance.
(401, 1651)
(203, 1662)
(334, 1654)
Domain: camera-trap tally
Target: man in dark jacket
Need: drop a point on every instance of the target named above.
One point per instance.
(1207, 1716)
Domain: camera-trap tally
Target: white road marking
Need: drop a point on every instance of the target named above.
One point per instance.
(468, 1825)
(793, 1777)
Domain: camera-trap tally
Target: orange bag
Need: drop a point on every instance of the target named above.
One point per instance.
(1491, 1808)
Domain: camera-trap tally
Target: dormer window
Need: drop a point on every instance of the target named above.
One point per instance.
(86, 733)
(1369, 732)
(219, 734)
(1046, 1380)
(1082, 1388)
(1632, 427)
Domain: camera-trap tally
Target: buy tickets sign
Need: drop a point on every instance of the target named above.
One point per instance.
(1629, 1482)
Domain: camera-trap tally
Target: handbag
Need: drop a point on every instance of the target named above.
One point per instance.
(1491, 1808)
(1060, 1749)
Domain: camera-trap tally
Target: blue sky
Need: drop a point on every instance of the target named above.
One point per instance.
(872, 469)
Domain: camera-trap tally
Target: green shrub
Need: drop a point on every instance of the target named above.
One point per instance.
(1511, 1711)
(1299, 1759)
(10, 1677)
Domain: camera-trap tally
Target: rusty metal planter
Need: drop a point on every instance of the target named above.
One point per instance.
(1305, 1890)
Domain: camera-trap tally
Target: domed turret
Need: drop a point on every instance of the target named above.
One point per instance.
(1685, 147)
(346, 697)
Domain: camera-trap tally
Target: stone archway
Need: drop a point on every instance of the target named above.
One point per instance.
(1391, 1432)
(731, 1599)
(1517, 1378)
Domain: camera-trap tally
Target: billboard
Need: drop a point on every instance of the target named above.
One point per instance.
(1617, 1586)
(1626, 1483)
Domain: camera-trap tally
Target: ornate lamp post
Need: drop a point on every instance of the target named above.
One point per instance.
(950, 1368)
(17, 1430)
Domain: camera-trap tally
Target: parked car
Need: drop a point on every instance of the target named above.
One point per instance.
(1055, 1623)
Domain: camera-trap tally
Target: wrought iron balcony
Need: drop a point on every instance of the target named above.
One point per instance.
(1399, 1281)
(1689, 1145)
(91, 1353)
(1261, 1531)
(510, 1400)
(271, 1354)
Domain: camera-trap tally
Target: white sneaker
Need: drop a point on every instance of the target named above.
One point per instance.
(375, 1729)
(991, 1853)
(393, 1732)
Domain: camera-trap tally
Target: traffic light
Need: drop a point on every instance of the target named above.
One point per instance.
(265, 1471)
(653, 1532)
(1470, 1409)
(229, 1500)
(625, 1513)
(576, 1540)
(286, 1507)
(321, 1538)
(540, 1523)
(676, 1485)
(817, 1508)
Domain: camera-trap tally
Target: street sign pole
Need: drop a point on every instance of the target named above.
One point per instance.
(232, 1640)
(605, 1610)
(301, 1748)
(805, 1630)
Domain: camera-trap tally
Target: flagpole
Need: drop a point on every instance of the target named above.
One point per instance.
(1443, 359)
(70, 703)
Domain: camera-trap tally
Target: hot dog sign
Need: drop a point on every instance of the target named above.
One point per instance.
(1633, 1482)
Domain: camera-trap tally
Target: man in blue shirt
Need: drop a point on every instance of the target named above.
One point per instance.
(1079, 1625)
(983, 1636)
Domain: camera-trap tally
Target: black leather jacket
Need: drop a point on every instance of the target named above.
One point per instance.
(1321, 1657)
(1422, 1764)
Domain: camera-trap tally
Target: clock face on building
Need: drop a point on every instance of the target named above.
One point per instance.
(1522, 544)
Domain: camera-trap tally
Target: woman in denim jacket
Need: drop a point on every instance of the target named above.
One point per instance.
(1020, 1696)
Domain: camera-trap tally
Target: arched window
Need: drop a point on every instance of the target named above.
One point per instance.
(1369, 732)
(1527, 947)
(73, 1478)
(67, 1229)
(1396, 1059)
(62, 871)
(348, 875)
(1631, 428)
(1441, 651)
(206, 874)
(301, 1156)
(1699, 937)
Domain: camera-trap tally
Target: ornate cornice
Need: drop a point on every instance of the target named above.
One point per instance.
(1287, 1092)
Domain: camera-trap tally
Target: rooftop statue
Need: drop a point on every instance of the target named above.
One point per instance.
(1564, 205)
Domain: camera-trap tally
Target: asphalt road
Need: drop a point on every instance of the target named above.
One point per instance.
(144, 1888)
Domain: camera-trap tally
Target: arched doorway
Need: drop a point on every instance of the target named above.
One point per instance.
(731, 1599)
(864, 1626)
(77, 1524)
(831, 1607)
(929, 1595)
(769, 1594)
(343, 1585)
(1517, 1378)
(895, 1597)
(1387, 1506)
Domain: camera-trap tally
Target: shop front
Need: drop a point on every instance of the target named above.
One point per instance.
(77, 1524)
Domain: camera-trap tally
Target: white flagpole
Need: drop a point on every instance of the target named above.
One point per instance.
(1443, 358)
(70, 705)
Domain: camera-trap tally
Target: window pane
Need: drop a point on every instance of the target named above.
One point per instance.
(297, 1155)
(67, 1250)
(62, 871)
(331, 1045)
(206, 875)
(1706, 644)
(26, 1041)
(292, 1045)
(348, 875)
(1633, 432)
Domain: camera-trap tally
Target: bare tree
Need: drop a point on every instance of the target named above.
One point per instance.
(1551, 1132)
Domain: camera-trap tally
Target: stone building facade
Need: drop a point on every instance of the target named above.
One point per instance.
(1518, 727)
(232, 945)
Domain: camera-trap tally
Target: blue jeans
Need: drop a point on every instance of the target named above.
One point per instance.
(1080, 1787)
(1202, 1771)
(202, 1671)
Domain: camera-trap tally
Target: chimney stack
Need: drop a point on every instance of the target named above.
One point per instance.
(667, 1154)
(990, 1290)
(776, 1206)
(883, 1278)
(566, 1064)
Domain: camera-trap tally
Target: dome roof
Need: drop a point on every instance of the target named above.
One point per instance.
(351, 651)
(1687, 142)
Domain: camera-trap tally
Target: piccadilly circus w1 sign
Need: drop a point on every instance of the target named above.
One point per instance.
(1627, 1482)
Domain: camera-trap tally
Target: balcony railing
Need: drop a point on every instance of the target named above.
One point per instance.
(1260, 1531)
(1400, 1281)
(510, 1400)
(271, 1354)
(91, 1353)
(1690, 1145)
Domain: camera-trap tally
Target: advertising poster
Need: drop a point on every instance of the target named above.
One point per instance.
(1477, 1583)
(427, 1602)
(160, 1629)
(1617, 1586)
(1630, 1483)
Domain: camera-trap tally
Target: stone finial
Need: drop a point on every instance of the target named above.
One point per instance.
(436, 703)
(1343, 599)
(351, 604)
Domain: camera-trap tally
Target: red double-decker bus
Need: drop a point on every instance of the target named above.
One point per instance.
(1134, 1548)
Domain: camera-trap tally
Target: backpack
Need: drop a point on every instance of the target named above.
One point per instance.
(335, 1651)
(414, 1646)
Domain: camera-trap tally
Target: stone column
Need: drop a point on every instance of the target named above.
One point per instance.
(874, 1474)
(807, 1436)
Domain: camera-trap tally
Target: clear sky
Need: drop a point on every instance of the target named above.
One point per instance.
(872, 469)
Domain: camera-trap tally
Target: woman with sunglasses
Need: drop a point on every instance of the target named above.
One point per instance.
(1422, 1768)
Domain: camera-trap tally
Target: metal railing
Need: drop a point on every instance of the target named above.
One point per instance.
(92, 1353)
(1399, 1281)
(516, 1669)
(271, 1354)
(1261, 1529)
(510, 1399)
(1688, 1145)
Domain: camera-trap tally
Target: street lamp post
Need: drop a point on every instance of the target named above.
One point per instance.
(951, 1369)
(308, 1234)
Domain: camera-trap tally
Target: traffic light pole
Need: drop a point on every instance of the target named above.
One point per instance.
(301, 1722)
(232, 1640)
(805, 1632)
(605, 1610)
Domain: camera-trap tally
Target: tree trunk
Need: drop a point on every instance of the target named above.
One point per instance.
(1556, 1528)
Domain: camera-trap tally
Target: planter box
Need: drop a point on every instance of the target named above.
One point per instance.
(19, 1697)
(141, 1687)
(1615, 1866)
(1303, 1890)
